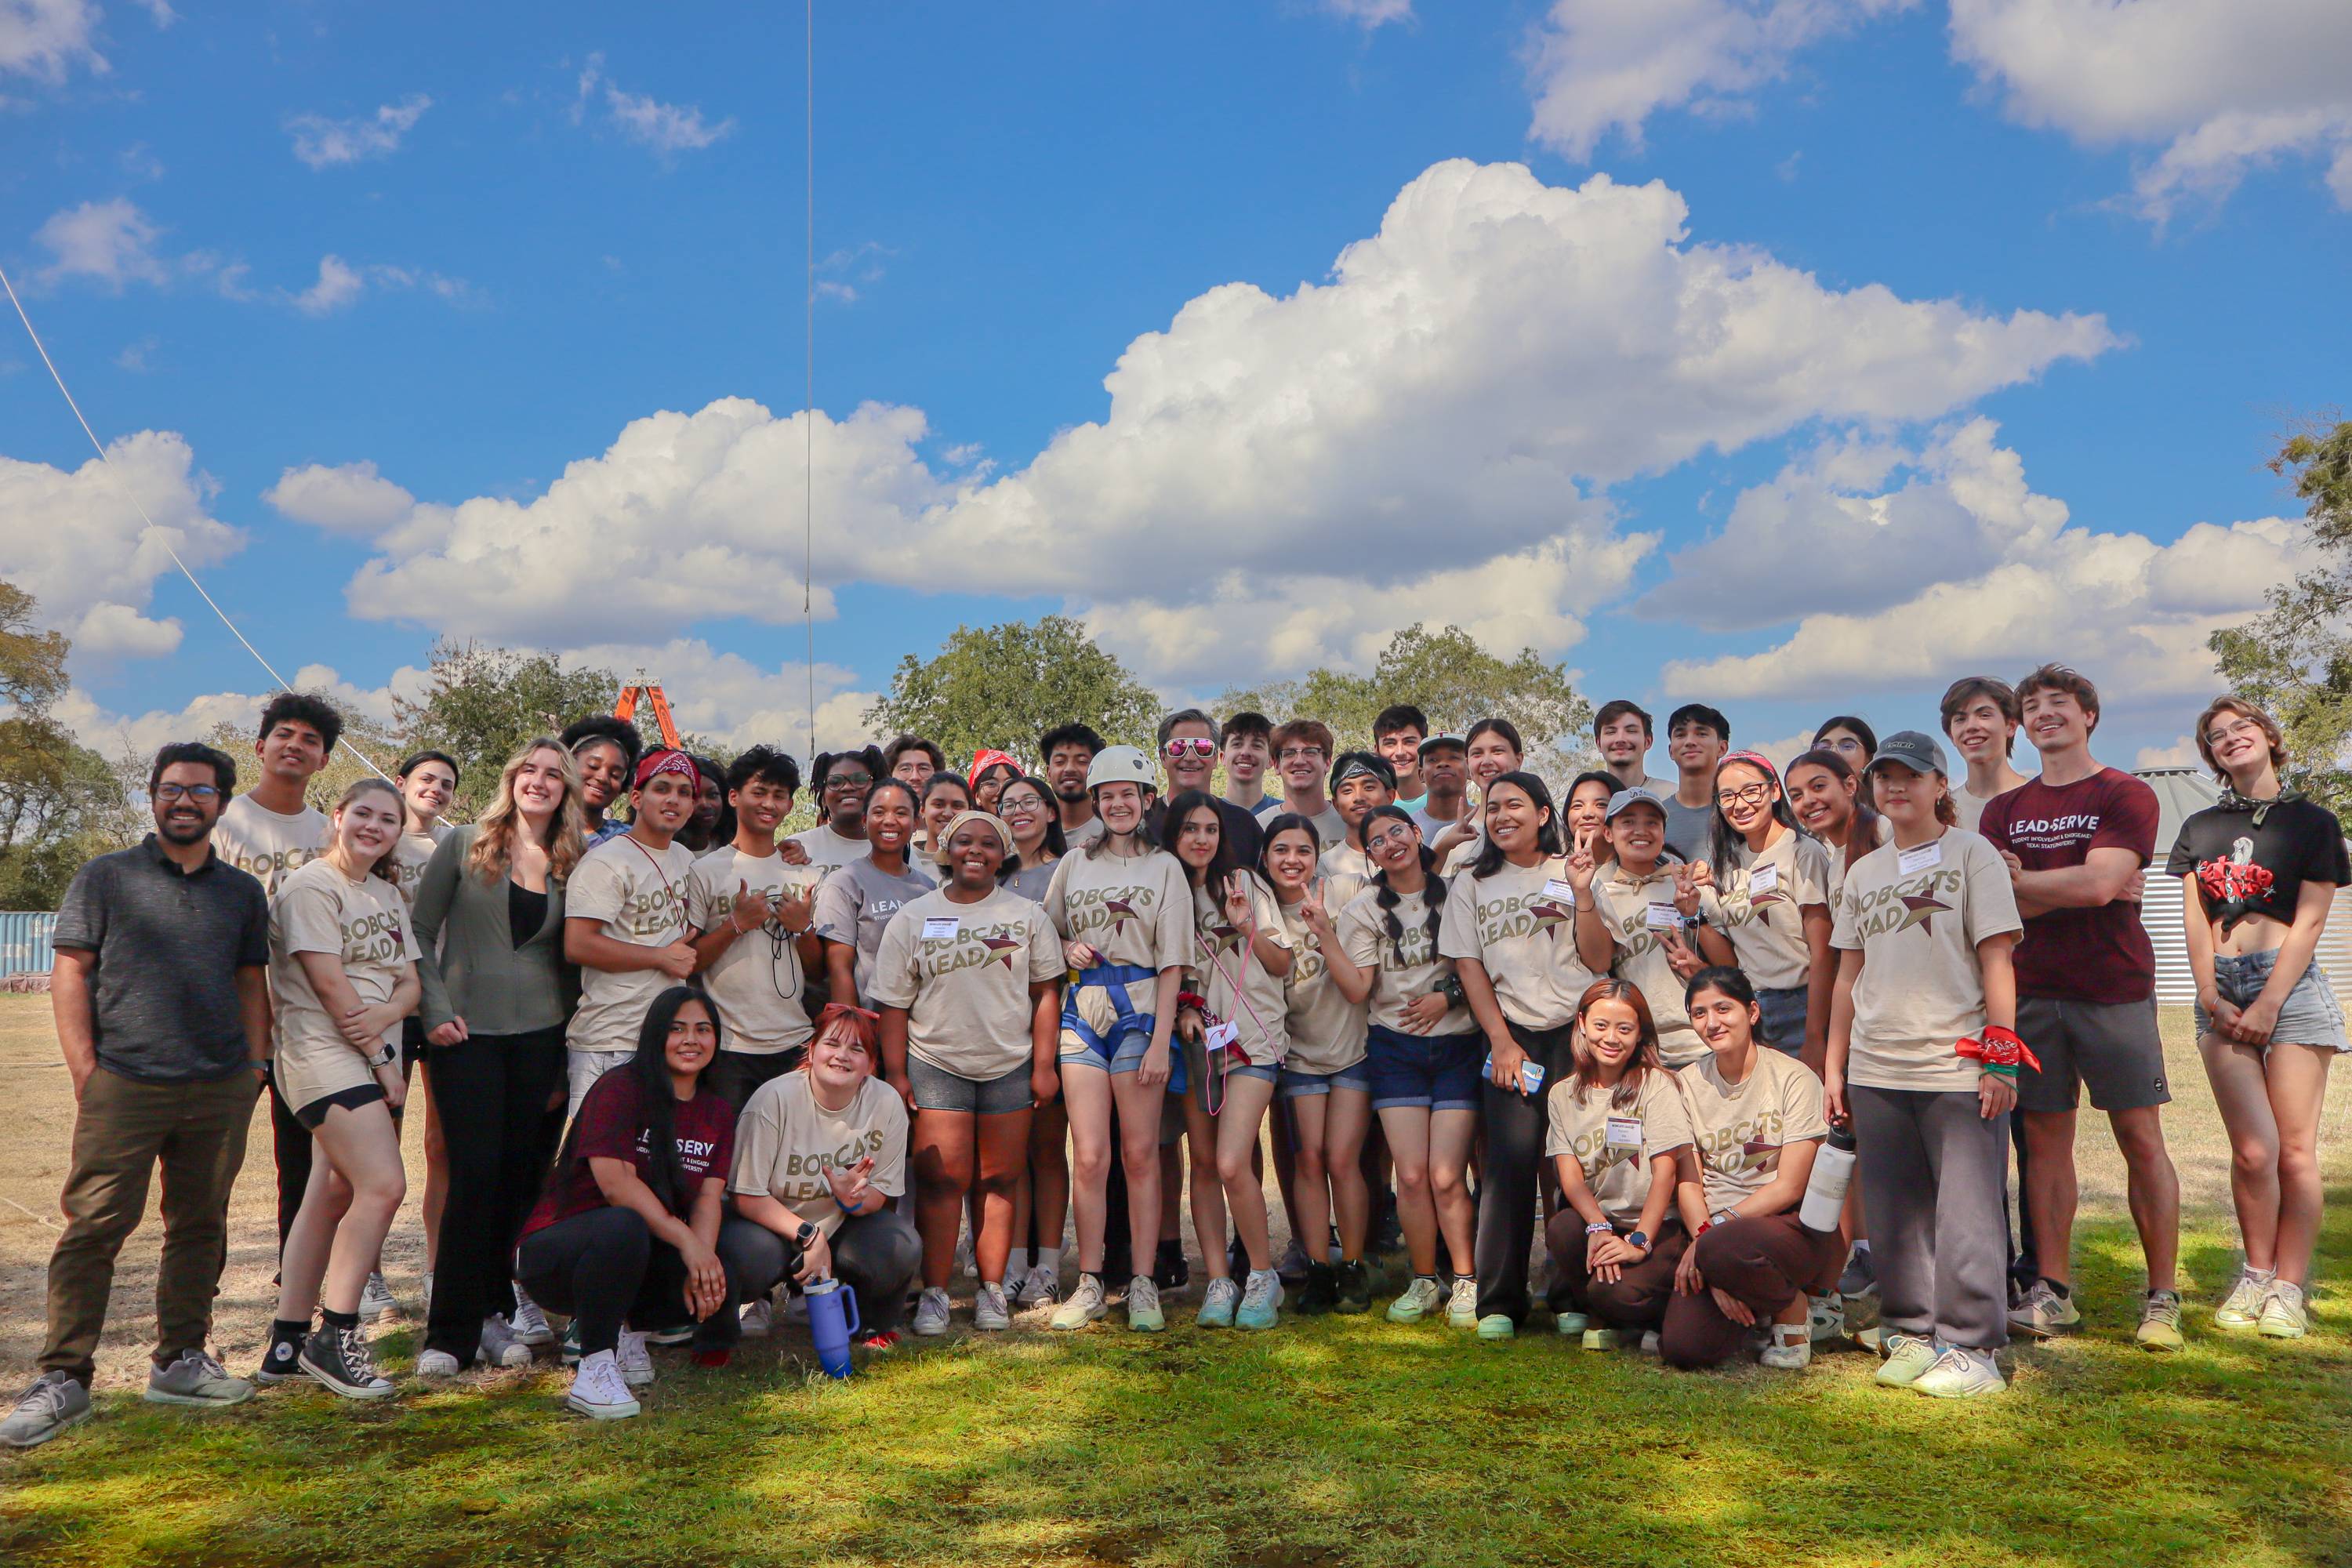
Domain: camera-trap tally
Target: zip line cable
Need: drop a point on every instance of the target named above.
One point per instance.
(161, 537)
(808, 391)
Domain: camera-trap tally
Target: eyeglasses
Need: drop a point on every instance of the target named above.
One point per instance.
(1297, 754)
(198, 792)
(1397, 834)
(848, 780)
(2222, 733)
(1183, 746)
(1754, 795)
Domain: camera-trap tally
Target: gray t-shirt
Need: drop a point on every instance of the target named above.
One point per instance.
(1687, 829)
(858, 901)
(164, 1008)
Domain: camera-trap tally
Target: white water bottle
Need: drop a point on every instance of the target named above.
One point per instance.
(1825, 1188)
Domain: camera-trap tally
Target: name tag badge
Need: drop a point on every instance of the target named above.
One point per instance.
(941, 927)
(1665, 917)
(1624, 1133)
(1918, 859)
(1560, 890)
(1220, 1036)
(1762, 880)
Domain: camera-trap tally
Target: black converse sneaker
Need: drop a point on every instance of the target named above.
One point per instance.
(281, 1363)
(340, 1359)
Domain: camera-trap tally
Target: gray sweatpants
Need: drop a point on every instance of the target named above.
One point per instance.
(1933, 1174)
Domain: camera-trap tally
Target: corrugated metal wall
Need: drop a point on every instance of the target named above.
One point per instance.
(25, 942)
(2160, 913)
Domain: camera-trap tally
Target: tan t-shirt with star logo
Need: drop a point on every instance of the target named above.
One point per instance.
(1740, 1129)
(963, 971)
(1916, 916)
(1326, 1030)
(1763, 903)
(1520, 923)
(1613, 1145)
(1239, 989)
(1134, 909)
(1625, 902)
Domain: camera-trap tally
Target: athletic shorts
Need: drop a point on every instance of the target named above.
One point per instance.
(1784, 1018)
(1295, 1084)
(314, 1115)
(936, 1088)
(2310, 1016)
(1438, 1072)
(2111, 1049)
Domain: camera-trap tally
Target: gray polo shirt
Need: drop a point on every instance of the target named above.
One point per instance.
(164, 1005)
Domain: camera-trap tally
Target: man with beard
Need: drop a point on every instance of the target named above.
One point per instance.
(161, 996)
(1068, 751)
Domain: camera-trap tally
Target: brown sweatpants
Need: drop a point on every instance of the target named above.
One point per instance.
(122, 1130)
(1638, 1299)
(1763, 1263)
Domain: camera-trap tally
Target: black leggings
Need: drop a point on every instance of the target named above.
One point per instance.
(492, 1093)
(604, 1266)
(1515, 1172)
(877, 1255)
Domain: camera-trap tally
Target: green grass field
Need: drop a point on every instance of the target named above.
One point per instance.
(1336, 1441)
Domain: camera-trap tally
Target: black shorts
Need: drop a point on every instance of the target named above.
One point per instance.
(359, 1094)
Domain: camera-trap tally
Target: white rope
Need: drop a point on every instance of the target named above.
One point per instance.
(157, 533)
(808, 394)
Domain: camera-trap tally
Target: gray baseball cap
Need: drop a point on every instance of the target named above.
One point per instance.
(1456, 741)
(1636, 795)
(1917, 752)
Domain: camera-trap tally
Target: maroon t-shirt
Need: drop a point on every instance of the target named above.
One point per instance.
(2080, 955)
(608, 1129)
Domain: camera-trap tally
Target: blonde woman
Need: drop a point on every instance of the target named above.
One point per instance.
(342, 975)
(489, 931)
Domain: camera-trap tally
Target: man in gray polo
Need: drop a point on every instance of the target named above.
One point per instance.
(160, 997)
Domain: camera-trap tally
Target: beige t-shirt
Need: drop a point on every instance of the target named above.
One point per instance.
(785, 1142)
(365, 924)
(411, 855)
(1740, 1129)
(1614, 1147)
(1762, 905)
(1881, 831)
(1134, 909)
(1330, 828)
(828, 850)
(756, 983)
(1920, 990)
(641, 896)
(1625, 902)
(963, 971)
(1409, 967)
(1326, 1030)
(269, 844)
(1520, 923)
(1238, 988)
(1346, 871)
(1079, 837)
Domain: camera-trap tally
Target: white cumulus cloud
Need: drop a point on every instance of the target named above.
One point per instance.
(322, 143)
(350, 499)
(667, 128)
(46, 38)
(110, 242)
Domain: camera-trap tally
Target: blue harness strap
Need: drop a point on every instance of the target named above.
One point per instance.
(1115, 978)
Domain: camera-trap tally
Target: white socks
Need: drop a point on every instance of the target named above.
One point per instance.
(1017, 1263)
(1049, 1261)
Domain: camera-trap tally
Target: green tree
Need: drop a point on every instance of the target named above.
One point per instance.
(480, 704)
(2295, 659)
(1448, 676)
(60, 801)
(1004, 686)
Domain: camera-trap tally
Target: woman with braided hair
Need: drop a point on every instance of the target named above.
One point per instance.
(1422, 1048)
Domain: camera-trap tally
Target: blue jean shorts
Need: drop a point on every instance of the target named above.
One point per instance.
(1438, 1071)
(1295, 1084)
(2310, 1016)
(936, 1088)
(1784, 1018)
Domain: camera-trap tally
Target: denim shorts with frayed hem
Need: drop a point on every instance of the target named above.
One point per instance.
(1439, 1071)
(2310, 1016)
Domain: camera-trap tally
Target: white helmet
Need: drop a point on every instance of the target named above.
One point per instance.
(1120, 764)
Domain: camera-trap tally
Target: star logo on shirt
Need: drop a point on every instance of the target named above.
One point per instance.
(1228, 937)
(1757, 1152)
(1769, 896)
(1119, 911)
(1002, 948)
(1924, 910)
(1549, 917)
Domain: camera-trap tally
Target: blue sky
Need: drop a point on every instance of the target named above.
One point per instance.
(1815, 352)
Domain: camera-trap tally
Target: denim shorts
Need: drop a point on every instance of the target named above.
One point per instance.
(1126, 1057)
(1295, 1084)
(2310, 1016)
(1439, 1071)
(936, 1088)
(1784, 1018)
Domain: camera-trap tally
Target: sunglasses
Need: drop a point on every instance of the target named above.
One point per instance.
(1176, 751)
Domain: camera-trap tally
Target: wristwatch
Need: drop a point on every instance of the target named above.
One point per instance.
(802, 1236)
(1640, 1240)
(390, 1055)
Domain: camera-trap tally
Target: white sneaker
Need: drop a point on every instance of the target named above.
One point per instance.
(637, 1363)
(500, 1347)
(1039, 1288)
(2283, 1317)
(1087, 1303)
(1420, 1299)
(990, 1310)
(600, 1391)
(375, 1299)
(1261, 1305)
(1825, 1318)
(435, 1364)
(758, 1318)
(1791, 1350)
(1961, 1374)
(1462, 1307)
(529, 1323)
(2242, 1307)
(931, 1313)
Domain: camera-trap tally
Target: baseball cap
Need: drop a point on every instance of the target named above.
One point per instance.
(1636, 795)
(1456, 741)
(1917, 752)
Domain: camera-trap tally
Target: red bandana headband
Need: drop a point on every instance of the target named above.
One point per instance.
(654, 763)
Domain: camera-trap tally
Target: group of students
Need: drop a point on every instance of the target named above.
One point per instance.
(678, 1064)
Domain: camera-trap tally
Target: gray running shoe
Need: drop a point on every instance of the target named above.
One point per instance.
(2042, 1313)
(53, 1402)
(499, 1346)
(1861, 1276)
(195, 1378)
(376, 1300)
(990, 1310)
(931, 1313)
